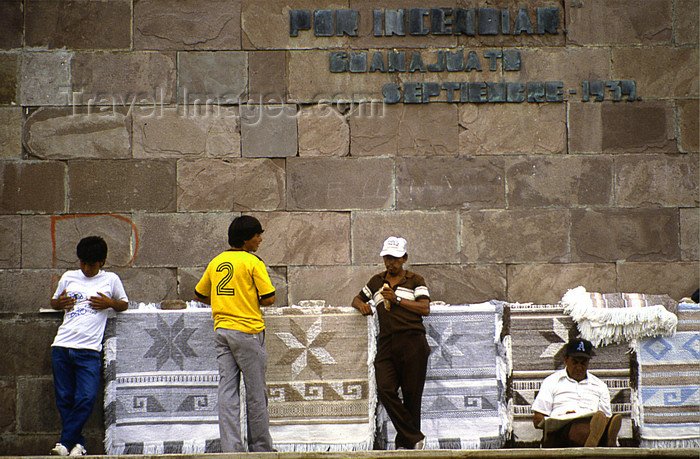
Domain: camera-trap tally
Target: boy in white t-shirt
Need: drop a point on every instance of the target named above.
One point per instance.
(86, 295)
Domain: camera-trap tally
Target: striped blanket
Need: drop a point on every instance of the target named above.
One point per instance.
(667, 402)
(620, 317)
(464, 403)
(538, 336)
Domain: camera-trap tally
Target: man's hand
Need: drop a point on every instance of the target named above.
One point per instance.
(102, 301)
(62, 302)
(361, 306)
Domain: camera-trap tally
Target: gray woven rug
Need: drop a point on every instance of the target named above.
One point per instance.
(464, 400)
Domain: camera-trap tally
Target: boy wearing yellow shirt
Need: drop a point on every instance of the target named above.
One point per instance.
(236, 284)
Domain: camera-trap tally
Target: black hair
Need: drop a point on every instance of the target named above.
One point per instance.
(92, 249)
(242, 229)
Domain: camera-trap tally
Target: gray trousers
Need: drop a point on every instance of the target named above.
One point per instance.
(242, 353)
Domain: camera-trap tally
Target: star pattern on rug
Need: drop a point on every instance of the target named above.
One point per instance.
(306, 348)
(170, 342)
(443, 344)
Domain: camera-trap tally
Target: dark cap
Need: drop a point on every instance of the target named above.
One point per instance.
(579, 348)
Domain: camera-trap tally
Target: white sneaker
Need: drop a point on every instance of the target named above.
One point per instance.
(78, 450)
(420, 444)
(59, 450)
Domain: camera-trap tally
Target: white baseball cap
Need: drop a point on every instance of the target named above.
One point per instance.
(394, 246)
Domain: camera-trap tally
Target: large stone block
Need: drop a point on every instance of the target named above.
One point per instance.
(269, 131)
(220, 76)
(614, 22)
(8, 405)
(122, 186)
(187, 279)
(305, 238)
(336, 285)
(259, 184)
(10, 241)
(12, 24)
(26, 345)
(433, 237)
(37, 411)
(241, 184)
(639, 127)
(547, 283)
(659, 72)
(189, 239)
(515, 236)
(566, 181)
(653, 180)
(678, 280)
(434, 183)
(690, 234)
(45, 77)
(323, 131)
(267, 76)
(310, 80)
(461, 284)
(188, 132)
(26, 290)
(78, 24)
(686, 22)
(191, 25)
(124, 79)
(149, 285)
(10, 132)
(51, 241)
(9, 69)
(689, 122)
(340, 184)
(512, 128)
(66, 133)
(205, 184)
(29, 186)
(624, 235)
(404, 130)
(569, 65)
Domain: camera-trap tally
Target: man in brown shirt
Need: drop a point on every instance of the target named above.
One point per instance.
(402, 299)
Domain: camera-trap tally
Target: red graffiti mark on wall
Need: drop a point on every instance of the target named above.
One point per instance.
(55, 218)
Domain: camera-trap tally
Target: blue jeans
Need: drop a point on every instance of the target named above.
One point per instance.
(76, 380)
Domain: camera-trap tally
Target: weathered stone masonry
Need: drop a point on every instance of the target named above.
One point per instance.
(154, 123)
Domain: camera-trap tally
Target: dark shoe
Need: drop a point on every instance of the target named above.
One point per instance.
(597, 429)
(613, 429)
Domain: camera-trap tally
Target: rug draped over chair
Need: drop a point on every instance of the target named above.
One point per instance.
(667, 402)
(464, 400)
(539, 334)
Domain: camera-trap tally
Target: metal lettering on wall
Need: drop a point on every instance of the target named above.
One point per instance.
(417, 22)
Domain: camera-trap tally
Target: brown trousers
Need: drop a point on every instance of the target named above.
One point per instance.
(401, 362)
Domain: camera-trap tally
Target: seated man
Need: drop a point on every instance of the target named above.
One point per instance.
(573, 406)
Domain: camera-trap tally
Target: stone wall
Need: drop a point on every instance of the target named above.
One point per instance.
(154, 122)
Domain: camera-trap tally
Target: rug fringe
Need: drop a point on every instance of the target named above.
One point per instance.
(602, 326)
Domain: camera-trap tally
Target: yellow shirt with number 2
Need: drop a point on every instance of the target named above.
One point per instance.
(234, 280)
